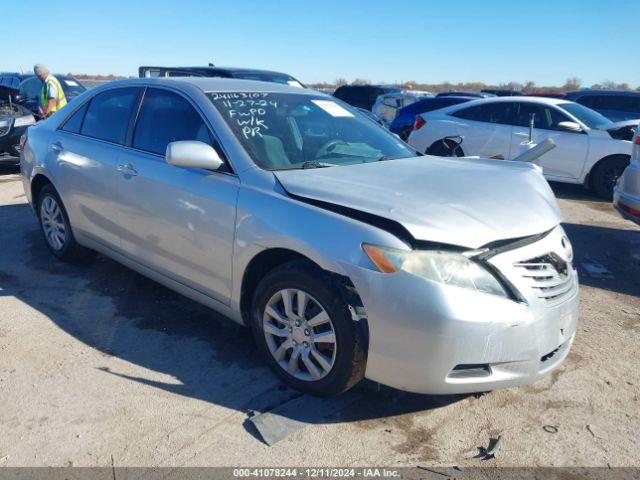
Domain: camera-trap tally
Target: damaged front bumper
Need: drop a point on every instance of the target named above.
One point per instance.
(426, 337)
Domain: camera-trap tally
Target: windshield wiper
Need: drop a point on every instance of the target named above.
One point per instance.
(314, 164)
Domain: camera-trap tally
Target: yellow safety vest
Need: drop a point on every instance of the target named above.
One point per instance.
(61, 100)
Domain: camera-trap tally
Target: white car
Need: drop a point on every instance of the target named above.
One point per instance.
(585, 152)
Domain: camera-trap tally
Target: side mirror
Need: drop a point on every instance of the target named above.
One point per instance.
(193, 154)
(569, 127)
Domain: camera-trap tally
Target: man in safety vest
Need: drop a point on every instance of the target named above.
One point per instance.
(52, 96)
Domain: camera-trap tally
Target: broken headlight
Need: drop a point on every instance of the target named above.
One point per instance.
(449, 268)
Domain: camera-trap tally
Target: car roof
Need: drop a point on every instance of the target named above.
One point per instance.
(538, 100)
(589, 91)
(219, 84)
(214, 69)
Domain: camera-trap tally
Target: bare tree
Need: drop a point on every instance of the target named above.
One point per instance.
(572, 83)
(361, 81)
(529, 86)
(340, 82)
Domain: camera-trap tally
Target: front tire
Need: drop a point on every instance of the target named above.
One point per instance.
(606, 174)
(305, 332)
(56, 228)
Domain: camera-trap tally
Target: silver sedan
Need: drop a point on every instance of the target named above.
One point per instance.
(346, 252)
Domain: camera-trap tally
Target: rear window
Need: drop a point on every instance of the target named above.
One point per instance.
(108, 114)
(500, 112)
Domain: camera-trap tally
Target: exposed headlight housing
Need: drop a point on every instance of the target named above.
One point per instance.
(6, 122)
(449, 268)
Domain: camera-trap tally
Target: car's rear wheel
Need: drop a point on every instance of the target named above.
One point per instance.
(55, 226)
(445, 147)
(606, 174)
(305, 331)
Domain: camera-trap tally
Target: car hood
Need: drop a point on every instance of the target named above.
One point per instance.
(462, 202)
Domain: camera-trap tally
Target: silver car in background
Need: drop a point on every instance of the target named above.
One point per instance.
(626, 193)
(347, 254)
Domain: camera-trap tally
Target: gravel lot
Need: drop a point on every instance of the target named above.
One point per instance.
(100, 366)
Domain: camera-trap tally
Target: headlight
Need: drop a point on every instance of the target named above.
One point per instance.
(24, 121)
(440, 266)
(5, 123)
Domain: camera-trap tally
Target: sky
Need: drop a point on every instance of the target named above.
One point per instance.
(493, 41)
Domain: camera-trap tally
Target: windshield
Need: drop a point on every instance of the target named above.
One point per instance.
(268, 77)
(71, 86)
(590, 118)
(284, 130)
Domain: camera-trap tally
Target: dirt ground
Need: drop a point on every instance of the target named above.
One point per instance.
(100, 366)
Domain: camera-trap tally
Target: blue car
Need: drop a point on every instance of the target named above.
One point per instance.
(403, 123)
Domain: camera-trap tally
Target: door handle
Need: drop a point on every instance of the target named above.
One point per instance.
(127, 169)
(56, 147)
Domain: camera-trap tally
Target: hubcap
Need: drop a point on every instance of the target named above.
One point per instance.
(299, 334)
(53, 223)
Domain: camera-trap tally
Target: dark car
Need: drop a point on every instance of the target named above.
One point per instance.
(502, 92)
(403, 123)
(31, 86)
(14, 120)
(224, 72)
(362, 96)
(616, 105)
(454, 93)
(12, 79)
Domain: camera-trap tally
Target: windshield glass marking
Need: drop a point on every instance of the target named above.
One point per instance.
(247, 111)
(284, 131)
(332, 108)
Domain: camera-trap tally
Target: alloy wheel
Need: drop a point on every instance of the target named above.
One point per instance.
(53, 223)
(299, 334)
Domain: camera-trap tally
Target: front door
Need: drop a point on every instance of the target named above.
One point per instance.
(566, 160)
(177, 221)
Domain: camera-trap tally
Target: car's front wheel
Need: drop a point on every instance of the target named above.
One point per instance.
(305, 331)
(55, 226)
(606, 174)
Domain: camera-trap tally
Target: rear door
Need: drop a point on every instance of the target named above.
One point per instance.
(566, 160)
(177, 221)
(86, 149)
(485, 129)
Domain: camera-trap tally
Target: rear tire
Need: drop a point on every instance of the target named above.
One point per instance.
(606, 173)
(56, 228)
(294, 344)
(444, 148)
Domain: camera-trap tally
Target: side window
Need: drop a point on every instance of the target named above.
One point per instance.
(617, 102)
(31, 88)
(546, 117)
(108, 114)
(498, 112)
(167, 117)
(74, 122)
(590, 101)
(469, 113)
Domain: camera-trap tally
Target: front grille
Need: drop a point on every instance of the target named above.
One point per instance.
(548, 275)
